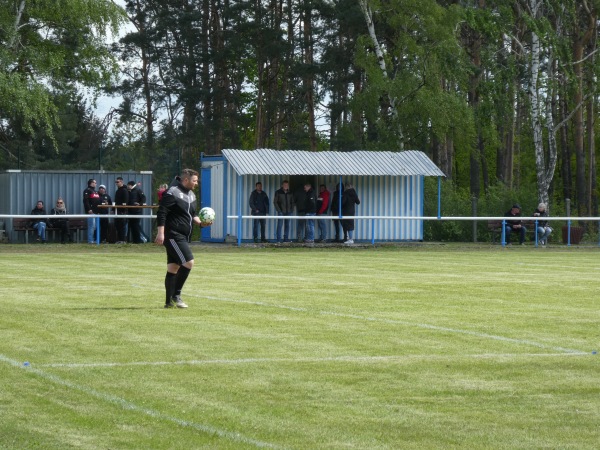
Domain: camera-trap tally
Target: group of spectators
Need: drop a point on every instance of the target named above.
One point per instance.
(515, 225)
(127, 196)
(305, 202)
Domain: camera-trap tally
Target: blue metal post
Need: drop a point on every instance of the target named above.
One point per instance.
(439, 214)
(98, 230)
(503, 234)
(536, 232)
(239, 206)
(225, 197)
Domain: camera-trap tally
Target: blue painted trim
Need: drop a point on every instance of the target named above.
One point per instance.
(439, 215)
(422, 206)
(239, 199)
(225, 196)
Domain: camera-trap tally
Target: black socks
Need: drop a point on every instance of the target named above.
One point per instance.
(182, 275)
(170, 279)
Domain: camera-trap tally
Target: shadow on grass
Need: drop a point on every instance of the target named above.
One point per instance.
(115, 308)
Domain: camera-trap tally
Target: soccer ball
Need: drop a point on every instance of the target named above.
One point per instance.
(207, 215)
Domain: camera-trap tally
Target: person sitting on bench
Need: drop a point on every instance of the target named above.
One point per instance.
(515, 225)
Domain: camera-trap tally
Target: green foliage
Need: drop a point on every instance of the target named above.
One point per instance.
(409, 103)
(46, 46)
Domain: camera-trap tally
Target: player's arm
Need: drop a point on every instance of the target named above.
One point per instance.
(160, 235)
(167, 202)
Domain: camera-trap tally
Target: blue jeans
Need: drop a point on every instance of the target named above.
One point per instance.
(256, 224)
(40, 227)
(323, 225)
(285, 223)
(91, 227)
(521, 232)
(301, 228)
(310, 228)
(543, 233)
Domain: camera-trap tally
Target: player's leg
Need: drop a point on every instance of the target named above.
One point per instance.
(180, 261)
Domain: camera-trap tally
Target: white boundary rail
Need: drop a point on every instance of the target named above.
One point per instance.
(502, 219)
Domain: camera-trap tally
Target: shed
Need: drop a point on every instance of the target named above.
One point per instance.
(388, 184)
(21, 189)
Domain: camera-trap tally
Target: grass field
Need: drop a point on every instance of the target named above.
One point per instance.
(409, 347)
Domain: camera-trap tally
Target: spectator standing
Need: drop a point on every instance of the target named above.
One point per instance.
(136, 198)
(299, 201)
(335, 211)
(121, 199)
(322, 208)
(39, 225)
(62, 224)
(91, 199)
(161, 190)
(259, 206)
(349, 201)
(310, 208)
(104, 200)
(543, 229)
(284, 206)
(514, 224)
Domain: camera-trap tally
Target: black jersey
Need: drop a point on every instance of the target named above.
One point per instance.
(177, 210)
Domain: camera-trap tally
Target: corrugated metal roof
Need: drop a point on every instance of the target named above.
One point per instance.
(360, 163)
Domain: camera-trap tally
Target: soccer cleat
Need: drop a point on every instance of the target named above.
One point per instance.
(178, 302)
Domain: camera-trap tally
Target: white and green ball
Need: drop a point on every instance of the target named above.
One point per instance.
(207, 215)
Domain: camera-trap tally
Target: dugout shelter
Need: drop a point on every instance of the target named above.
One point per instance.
(388, 184)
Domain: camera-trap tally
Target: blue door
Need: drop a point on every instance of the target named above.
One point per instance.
(205, 178)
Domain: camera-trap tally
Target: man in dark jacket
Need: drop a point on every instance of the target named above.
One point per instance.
(175, 219)
(310, 208)
(349, 201)
(515, 225)
(284, 206)
(335, 211)
(136, 198)
(121, 199)
(259, 206)
(91, 199)
(39, 225)
(299, 201)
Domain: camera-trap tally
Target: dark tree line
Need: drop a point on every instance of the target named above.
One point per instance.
(501, 94)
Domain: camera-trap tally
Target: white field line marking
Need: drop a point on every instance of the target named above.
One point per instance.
(348, 359)
(232, 436)
(397, 322)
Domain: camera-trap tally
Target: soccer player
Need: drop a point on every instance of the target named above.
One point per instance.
(175, 218)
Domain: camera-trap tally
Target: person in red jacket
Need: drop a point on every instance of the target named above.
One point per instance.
(322, 207)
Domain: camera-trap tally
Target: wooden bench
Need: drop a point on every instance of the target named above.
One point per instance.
(21, 224)
(495, 229)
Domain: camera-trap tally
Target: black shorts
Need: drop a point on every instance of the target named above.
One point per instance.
(178, 249)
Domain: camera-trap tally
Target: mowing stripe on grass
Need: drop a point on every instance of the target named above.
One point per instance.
(348, 359)
(237, 437)
(397, 322)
